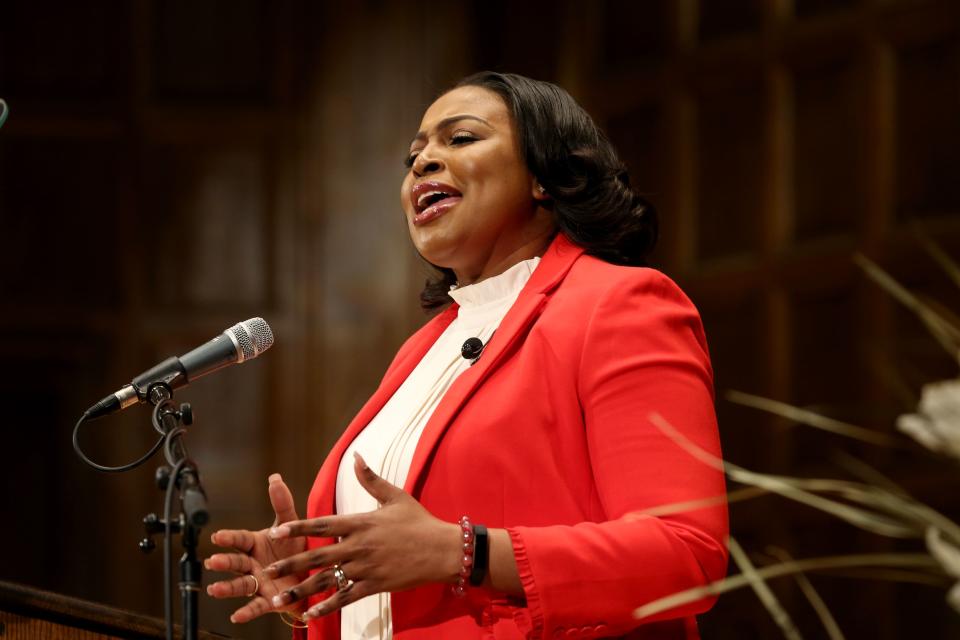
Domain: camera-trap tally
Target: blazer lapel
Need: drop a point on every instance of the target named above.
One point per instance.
(553, 267)
(322, 498)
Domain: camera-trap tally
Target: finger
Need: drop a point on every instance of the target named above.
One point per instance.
(338, 600)
(242, 587)
(300, 563)
(239, 539)
(281, 499)
(234, 562)
(317, 583)
(253, 609)
(325, 527)
(376, 486)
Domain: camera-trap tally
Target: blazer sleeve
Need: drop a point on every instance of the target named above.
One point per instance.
(644, 351)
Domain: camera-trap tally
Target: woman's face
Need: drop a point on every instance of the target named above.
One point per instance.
(470, 202)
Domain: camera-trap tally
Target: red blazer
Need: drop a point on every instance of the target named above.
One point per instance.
(548, 435)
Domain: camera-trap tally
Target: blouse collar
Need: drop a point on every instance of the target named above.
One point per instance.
(494, 294)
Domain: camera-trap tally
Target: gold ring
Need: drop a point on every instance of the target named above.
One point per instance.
(256, 586)
(342, 581)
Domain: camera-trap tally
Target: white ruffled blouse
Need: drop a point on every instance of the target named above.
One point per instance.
(387, 444)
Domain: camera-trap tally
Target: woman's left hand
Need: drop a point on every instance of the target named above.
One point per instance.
(398, 546)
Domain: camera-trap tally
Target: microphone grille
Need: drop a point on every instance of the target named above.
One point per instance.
(254, 336)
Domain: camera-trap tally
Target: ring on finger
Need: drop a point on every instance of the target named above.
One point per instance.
(256, 586)
(342, 581)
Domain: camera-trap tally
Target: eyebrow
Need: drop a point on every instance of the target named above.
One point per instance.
(421, 135)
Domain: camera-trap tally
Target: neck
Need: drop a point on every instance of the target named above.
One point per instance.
(531, 246)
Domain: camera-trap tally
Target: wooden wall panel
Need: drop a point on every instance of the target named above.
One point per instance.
(928, 129)
(829, 150)
(719, 20)
(217, 50)
(812, 8)
(64, 51)
(243, 158)
(635, 32)
(213, 247)
(59, 212)
(730, 169)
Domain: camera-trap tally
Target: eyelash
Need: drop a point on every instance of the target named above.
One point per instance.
(457, 139)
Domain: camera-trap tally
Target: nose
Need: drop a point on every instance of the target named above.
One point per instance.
(426, 164)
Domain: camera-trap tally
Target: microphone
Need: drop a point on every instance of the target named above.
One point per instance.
(241, 342)
(472, 349)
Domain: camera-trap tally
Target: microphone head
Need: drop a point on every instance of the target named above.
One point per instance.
(254, 337)
(472, 348)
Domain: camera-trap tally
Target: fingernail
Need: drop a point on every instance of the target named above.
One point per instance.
(213, 538)
(278, 600)
(233, 619)
(274, 477)
(206, 564)
(271, 572)
(363, 463)
(282, 531)
(310, 614)
(210, 590)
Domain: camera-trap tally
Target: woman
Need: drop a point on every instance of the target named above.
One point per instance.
(544, 435)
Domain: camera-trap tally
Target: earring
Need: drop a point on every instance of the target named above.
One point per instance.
(541, 189)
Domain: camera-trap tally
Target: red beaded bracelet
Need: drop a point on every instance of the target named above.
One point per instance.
(466, 531)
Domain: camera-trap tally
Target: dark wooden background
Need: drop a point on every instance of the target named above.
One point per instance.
(172, 167)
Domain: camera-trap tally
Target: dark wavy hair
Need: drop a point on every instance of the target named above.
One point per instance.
(571, 158)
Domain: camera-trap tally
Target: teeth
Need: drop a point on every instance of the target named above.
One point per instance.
(421, 201)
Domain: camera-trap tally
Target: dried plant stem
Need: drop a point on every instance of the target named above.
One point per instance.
(810, 418)
(897, 560)
(796, 489)
(738, 495)
(943, 331)
(762, 589)
(939, 255)
(939, 581)
(867, 473)
(819, 606)
(875, 509)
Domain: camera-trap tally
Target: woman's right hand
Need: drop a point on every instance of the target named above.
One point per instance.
(251, 552)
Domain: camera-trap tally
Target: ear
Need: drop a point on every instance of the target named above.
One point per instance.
(539, 193)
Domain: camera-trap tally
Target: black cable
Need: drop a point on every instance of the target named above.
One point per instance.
(168, 444)
(167, 543)
(99, 467)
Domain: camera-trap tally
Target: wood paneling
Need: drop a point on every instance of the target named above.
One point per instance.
(730, 167)
(928, 129)
(171, 168)
(719, 20)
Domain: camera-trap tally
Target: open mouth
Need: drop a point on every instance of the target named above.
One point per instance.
(431, 199)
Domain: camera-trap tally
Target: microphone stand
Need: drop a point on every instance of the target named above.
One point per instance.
(167, 419)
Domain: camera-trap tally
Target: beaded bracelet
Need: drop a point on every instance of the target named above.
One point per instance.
(466, 531)
(476, 556)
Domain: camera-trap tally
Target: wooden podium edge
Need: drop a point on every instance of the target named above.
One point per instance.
(83, 614)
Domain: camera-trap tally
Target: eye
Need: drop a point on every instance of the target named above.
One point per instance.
(409, 160)
(462, 137)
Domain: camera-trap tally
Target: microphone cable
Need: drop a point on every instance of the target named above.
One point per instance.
(125, 467)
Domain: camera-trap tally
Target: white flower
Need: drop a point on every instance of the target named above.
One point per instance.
(936, 425)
